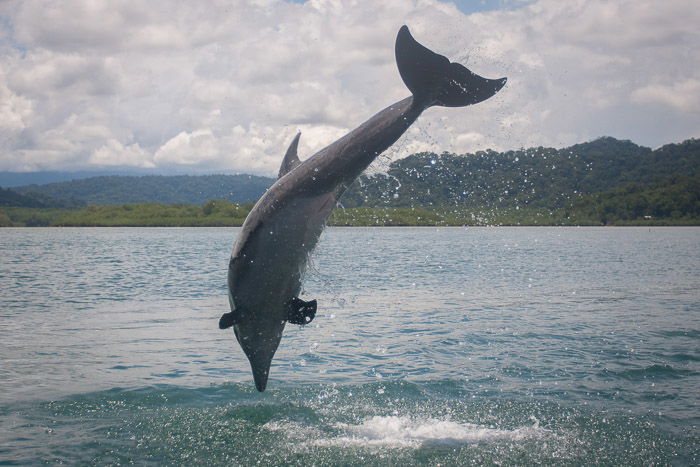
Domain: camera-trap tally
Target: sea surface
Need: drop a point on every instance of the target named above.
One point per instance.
(431, 346)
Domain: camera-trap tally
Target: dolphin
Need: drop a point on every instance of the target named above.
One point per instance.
(271, 252)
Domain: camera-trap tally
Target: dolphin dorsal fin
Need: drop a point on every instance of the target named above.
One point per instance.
(291, 159)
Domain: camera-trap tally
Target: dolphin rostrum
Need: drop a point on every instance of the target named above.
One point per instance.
(270, 255)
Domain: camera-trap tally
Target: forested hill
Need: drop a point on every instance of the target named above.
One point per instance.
(538, 177)
(10, 198)
(186, 189)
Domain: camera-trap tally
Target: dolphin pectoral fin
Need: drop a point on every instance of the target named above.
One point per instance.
(291, 159)
(433, 80)
(227, 320)
(301, 312)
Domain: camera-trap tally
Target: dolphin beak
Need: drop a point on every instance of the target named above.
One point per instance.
(259, 345)
(260, 377)
(260, 373)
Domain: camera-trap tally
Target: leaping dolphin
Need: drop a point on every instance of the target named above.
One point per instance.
(271, 252)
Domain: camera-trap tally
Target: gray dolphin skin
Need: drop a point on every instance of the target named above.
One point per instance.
(271, 252)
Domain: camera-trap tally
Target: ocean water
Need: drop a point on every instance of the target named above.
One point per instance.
(449, 346)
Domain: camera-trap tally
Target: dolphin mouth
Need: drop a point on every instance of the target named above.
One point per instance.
(260, 375)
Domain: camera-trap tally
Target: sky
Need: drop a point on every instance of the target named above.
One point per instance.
(223, 86)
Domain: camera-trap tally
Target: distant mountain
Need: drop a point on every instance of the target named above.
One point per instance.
(186, 189)
(13, 179)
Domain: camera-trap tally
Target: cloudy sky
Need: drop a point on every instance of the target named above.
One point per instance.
(212, 85)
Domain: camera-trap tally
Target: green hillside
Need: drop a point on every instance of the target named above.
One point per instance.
(671, 200)
(529, 178)
(11, 198)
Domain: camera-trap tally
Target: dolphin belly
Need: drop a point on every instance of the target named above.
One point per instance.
(277, 250)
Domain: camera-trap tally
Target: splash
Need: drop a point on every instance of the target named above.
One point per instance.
(407, 432)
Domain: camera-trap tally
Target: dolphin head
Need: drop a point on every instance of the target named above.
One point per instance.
(259, 340)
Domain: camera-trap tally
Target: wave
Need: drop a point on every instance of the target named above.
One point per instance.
(655, 371)
(684, 357)
(689, 333)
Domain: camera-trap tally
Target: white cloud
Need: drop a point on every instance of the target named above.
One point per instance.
(683, 95)
(15, 111)
(114, 153)
(188, 148)
(46, 75)
(225, 85)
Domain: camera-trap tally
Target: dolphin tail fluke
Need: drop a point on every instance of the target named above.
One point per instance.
(433, 80)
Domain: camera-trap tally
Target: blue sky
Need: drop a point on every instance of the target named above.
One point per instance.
(223, 85)
(475, 6)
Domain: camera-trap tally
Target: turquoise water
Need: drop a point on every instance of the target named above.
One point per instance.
(446, 346)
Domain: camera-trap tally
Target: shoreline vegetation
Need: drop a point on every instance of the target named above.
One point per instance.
(601, 182)
(220, 213)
